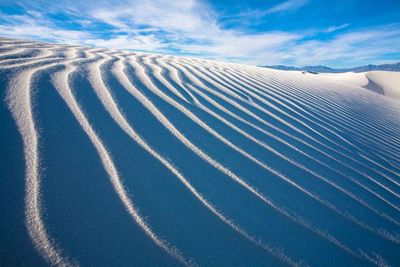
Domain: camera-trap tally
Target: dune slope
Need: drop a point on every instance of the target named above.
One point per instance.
(127, 158)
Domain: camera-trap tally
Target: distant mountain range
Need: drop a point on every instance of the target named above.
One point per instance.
(387, 67)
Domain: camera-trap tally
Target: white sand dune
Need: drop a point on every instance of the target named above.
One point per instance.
(60, 81)
(384, 82)
(389, 81)
(19, 102)
(281, 168)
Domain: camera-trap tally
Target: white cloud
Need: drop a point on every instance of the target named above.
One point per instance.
(188, 26)
(141, 42)
(183, 16)
(289, 5)
(335, 28)
(110, 17)
(233, 44)
(37, 32)
(354, 47)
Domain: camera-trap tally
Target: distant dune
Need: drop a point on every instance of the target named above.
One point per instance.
(383, 82)
(120, 158)
(388, 81)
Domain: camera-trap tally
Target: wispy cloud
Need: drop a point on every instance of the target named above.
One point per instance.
(256, 16)
(186, 18)
(354, 47)
(335, 28)
(138, 42)
(289, 5)
(37, 32)
(189, 28)
(233, 44)
(34, 26)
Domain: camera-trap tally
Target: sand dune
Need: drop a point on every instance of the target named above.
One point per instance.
(389, 81)
(383, 82)
(208, 163)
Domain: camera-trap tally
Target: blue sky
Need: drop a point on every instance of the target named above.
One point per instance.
(336, 33)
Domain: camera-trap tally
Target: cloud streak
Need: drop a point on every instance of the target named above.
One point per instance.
(289, 5)
(348, 47)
